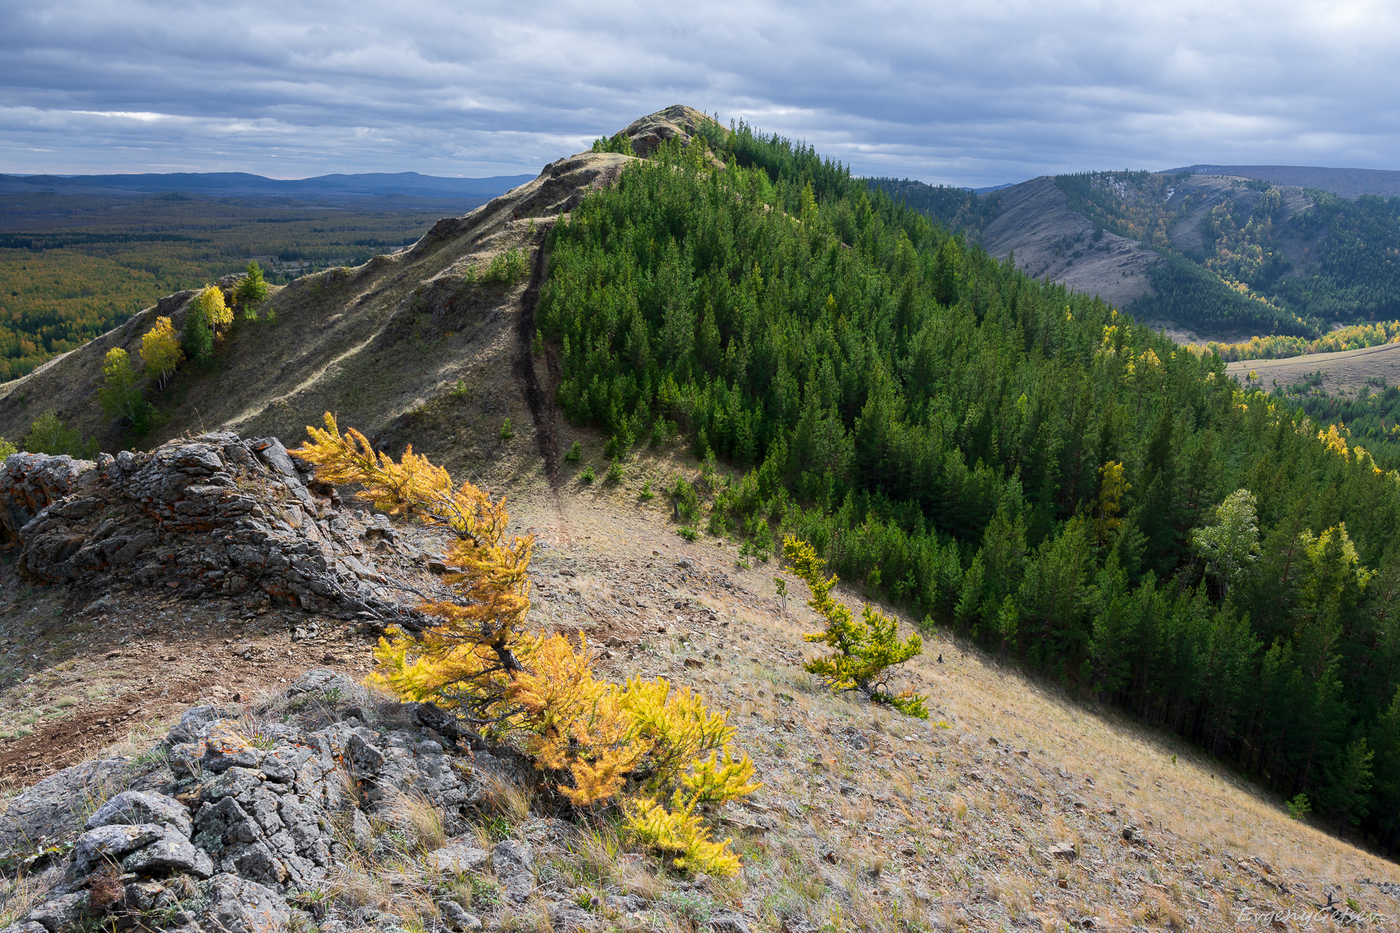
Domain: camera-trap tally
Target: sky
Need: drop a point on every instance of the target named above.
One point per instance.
(965, 92)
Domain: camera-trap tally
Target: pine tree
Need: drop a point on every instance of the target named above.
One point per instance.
(198, 340)
(1349, 783)
(251, 291)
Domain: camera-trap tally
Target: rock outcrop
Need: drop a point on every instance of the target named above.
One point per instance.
(215, 515)
(649, 132)
(246, 814)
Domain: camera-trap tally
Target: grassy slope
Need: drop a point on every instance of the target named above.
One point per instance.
(382, 344)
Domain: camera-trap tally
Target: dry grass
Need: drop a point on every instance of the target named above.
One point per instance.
(20, 894)
(413, 813)
(505, 797)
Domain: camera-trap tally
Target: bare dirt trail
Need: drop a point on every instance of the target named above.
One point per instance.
(539, 396)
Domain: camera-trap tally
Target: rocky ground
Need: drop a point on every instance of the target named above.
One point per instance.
(1010, 808)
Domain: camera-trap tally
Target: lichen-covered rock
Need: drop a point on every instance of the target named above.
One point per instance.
(213, 516)
(264, 811)
(60, 913)
(30, 926)
(514, 865)
(133, 807)
(459, 856)
(458, 918)
(30, 482)
(237, 905)
(172, 852)
(47, 810)
(111, 843)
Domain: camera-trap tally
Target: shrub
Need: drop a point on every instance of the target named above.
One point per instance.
(575, 453)
(6, 448)
(657, 751)
(864, 649)
(506, 268)
(507, 430)
(685, 500)
(49, 435)
(587, 476)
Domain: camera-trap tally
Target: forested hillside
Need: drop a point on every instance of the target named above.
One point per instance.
(1026, 466)
(1239, 256)
(959, 209)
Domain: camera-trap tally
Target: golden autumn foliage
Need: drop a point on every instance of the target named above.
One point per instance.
(160, 349)
(642, 742)
(1113, 486)
(210, 303)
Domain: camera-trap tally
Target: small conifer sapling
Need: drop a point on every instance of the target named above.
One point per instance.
(863, 649)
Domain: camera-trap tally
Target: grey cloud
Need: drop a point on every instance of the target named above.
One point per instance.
(961, 92)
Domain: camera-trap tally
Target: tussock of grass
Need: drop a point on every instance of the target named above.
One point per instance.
(414, 814)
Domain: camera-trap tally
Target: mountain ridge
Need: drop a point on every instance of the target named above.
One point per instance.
(1348, 183)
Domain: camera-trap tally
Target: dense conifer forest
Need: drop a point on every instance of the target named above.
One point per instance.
(1025, 466)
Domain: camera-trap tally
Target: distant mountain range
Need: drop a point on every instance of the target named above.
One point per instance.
(244, 185)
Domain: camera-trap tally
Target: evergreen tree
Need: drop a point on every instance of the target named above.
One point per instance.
(198, 342)
(252, 290)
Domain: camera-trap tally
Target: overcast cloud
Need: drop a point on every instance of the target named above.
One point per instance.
(974, 93)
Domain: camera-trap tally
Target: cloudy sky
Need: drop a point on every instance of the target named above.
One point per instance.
(971, 92)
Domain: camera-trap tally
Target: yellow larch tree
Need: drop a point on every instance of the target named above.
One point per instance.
(160, 350)
(862, 649)
(657, 749)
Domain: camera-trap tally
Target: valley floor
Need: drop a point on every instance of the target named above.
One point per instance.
(1343, 372)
